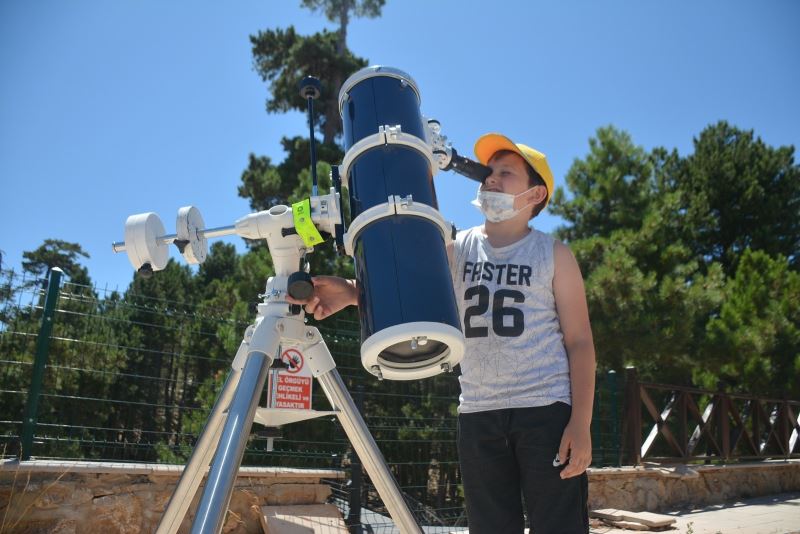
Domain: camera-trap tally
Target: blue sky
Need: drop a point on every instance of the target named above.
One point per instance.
(114, 108)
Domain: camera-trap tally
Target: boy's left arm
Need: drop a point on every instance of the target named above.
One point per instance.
(573, 314)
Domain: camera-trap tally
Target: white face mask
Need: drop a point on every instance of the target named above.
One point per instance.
(498, 207)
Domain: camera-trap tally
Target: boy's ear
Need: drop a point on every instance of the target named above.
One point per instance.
(541, 193)
(537, 195)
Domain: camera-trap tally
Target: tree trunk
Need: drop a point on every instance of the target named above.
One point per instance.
(344, 19)
(441, 486)
(333, 122)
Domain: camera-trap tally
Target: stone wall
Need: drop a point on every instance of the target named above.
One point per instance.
(656, 488)
(88, 497)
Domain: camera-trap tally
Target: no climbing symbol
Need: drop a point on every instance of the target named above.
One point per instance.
(293, 387)
(293, 359)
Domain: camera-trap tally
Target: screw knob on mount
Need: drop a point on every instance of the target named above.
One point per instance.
(300, 286)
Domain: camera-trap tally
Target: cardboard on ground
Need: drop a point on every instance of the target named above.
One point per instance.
(302, 519)
(648, 519)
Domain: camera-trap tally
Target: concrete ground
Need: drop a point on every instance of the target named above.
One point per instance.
(776, 514)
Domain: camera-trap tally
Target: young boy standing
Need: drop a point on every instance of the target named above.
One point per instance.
(527, 377)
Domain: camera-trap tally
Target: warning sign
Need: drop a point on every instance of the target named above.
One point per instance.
(293, 359)
(293, 385)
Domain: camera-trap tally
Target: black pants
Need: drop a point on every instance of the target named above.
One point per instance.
(506, 455)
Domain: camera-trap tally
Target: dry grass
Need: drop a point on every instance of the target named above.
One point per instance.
(21, 516)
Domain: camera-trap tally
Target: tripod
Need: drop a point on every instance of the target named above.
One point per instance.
(225, 434)
(278, 323)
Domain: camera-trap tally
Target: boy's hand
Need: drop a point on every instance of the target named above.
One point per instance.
(331, 294)
(576, 448)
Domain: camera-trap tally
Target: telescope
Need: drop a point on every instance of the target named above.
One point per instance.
(410, 324)
(410, 327)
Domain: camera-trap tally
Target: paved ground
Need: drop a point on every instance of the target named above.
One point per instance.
(777, 514)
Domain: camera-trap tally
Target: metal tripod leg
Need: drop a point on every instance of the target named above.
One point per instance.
(219, 420)
(367, 450)
(225, 466)
(360, 437)
(195, 469)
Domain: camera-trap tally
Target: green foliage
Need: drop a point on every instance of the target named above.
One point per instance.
(283, 58)
(179, 450)
(659, 238)
(266, 185)
(611, 188)
(642, 317)
(739, 193)
(338, 10)
(754, 342)
(57, 253)
(220, 263)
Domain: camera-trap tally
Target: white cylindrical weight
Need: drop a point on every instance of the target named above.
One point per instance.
(141, 241)
(190, 228)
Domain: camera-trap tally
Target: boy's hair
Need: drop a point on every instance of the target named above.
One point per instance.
(534, 179)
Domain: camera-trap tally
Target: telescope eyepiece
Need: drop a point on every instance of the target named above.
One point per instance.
(310, 87)
(471, 169)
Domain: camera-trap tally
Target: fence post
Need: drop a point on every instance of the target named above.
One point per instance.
(611, 387)
(723, 424)
(632, 420)
(353, 521)
(783, 427)
(683, 402)
(40, 361)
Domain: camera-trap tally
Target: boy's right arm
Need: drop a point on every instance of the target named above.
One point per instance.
(331, 294)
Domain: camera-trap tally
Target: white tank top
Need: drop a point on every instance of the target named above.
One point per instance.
(515, 355)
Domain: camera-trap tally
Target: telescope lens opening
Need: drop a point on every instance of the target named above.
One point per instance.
(405, 353)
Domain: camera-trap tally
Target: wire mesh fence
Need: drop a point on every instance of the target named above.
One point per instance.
(132, 377)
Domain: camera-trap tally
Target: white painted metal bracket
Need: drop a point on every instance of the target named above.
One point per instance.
(284, 416)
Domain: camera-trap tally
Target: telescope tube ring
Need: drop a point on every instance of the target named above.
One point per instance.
(387, 135)
(374, 72)
(396, 205)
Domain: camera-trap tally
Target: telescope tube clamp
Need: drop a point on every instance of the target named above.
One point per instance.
(396, 205)
(387, 135)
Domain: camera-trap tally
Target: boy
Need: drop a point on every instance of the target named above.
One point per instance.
(527, 377)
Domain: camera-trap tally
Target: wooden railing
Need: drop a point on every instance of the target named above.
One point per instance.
(683, 424)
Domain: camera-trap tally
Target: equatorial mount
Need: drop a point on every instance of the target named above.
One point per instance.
(290, 231)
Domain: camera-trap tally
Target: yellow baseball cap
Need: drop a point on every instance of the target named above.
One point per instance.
(487, 145)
